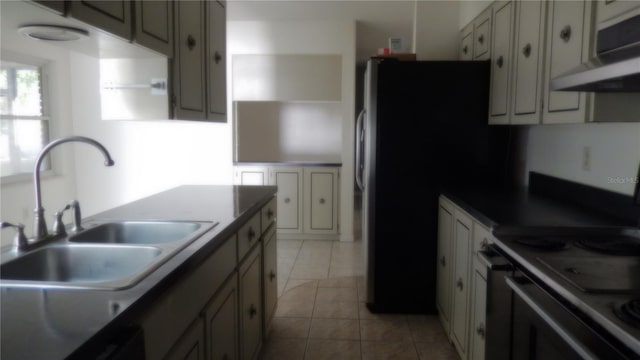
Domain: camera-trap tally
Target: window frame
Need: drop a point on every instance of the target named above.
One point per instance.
(44, 66)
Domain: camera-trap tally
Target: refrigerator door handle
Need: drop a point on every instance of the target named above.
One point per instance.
(359, 143)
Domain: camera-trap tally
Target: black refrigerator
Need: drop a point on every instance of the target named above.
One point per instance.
(423, 128)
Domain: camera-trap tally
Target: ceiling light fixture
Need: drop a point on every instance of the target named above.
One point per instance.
(53, 32)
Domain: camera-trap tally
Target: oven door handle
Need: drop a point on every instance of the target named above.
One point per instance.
(576, 345)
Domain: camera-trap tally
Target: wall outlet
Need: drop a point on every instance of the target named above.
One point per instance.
(586, 158)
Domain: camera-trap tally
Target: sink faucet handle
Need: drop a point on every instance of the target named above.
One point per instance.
(19, 240)
(77, 216)
(58, 225)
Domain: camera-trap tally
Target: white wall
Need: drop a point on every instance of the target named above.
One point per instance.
(436, 30)
(310, 37)
(469, 9)
(16, 198)
(270, 131)
(150, 156)
(615, 153)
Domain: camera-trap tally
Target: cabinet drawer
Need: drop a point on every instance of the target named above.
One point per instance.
(248, 235)
(268, 214)
(481, 237)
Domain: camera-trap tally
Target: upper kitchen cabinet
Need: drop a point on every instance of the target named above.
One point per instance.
(569, 34)
(154, 25)
(216, 61)
(287, 78)
(482, 35)
(57, 6)
(501, 52)
(528, 62)
(113, 16)
(199, 81)
(466, 43)
(475, 38)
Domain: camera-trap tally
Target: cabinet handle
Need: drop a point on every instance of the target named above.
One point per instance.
(251, 234)
(443, 261)
(252, 311)
(480, 330)
(217, 57)
(272, 275)
(484, 244)
(191, 42)
(500, 61)
(287, 200)
(269, 214)
(481, 38)
(322, 201)
(459, 284)
(565, 33)
(465, 49)
(526, 50)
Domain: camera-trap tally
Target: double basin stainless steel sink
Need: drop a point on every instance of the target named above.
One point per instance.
(109, 256)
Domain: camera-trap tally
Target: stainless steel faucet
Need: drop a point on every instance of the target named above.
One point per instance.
(39, 223)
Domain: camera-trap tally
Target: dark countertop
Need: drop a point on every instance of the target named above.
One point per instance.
(287, 163)
(520, 208)
(41, 323)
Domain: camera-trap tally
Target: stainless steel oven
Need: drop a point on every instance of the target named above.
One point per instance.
(572, 295)
(545, 329)
(499, 300)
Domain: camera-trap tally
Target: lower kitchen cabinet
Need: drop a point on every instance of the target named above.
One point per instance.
(321, 200)
(479, 315)
(460, 310)
(289, 183)
(217, 309)
(461, 294)
(445, 240)
(221, 323)
(190, 346)
(270, 274)
(250, 306)
(307, 200)
(251, 175)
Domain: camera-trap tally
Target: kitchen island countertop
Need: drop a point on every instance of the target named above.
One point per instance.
(41, 323)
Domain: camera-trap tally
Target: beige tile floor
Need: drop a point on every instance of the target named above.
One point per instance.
(321, 312)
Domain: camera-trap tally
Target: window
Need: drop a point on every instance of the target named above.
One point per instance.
(24, 121)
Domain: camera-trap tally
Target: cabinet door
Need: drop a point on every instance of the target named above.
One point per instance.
(113, 16)
(528, 62)
(478, 327)
(217, 61)
(501, 63)
(445, 240)
(482, 35)
(221, 323)
(190, 346)
(250, 306)
(461, 269)
(321, 200)
(270, 274)
(154, 25)
(268, 215)
(568, 44)
(188, 68)
(289, 183)
(466, 43)
(251, 175)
